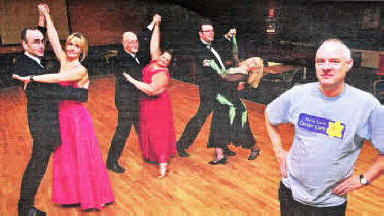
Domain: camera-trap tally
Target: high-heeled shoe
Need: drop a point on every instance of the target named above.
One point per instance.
(221, 161)
(254, 153)
(163, 171)
(228, 152)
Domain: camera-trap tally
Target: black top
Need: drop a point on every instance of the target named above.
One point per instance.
(42, 102)
(207, 78)
(125, 92)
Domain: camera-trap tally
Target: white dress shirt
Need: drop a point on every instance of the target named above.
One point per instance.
(134, 57)
(34, 58)
(214, 53)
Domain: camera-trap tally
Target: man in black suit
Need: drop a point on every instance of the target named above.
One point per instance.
(131, 61)
(42, 110)
(208, 81)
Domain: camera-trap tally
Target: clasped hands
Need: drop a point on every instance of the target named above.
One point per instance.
(156, 19)
(43, 9)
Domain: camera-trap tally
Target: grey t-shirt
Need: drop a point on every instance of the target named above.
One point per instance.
(329, 133)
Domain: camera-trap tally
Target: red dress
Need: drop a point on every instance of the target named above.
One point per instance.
(156, 130)
(79, 173)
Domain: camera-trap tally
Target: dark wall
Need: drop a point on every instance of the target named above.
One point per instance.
(103, 22)
(313, 22)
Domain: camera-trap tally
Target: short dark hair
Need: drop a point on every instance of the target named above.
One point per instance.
(169, 50)
(23, 35)
(204, 21)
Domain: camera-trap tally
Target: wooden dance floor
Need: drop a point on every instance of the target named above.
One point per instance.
(192, 187)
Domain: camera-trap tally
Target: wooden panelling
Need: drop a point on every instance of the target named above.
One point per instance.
(16, 15)
(104, 22)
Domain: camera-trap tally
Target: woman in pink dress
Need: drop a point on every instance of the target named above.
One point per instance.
(156, 130)
(79, 173)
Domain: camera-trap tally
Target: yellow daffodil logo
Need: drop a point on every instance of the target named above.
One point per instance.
(335, 129)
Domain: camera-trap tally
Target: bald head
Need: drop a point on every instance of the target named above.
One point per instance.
(130, 42)
(129, 36)
(333, 61)
(335, 45)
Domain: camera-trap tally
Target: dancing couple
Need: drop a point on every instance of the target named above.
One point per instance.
(62, 127)
(156, 128)
(218, 89)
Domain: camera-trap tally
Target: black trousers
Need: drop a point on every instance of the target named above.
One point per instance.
(33, 174)
(125, 120)
(193, 127)
(290, 207)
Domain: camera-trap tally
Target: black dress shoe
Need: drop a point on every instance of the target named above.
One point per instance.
(115, 167)
(221, 161)
(181, 152)
(254, 153)
(31, 212)
(229, 152)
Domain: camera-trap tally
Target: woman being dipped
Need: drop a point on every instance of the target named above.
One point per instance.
(79, 173)
(156, 129)
(230, 119)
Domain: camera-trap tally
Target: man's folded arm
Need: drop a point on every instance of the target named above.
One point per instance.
(64, 93)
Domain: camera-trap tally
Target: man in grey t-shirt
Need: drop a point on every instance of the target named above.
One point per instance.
(331, 121)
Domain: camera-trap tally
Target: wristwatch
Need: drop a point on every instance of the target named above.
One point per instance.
(31, 78)
(363, 180)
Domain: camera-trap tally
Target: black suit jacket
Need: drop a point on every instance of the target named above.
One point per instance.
(42, 103)
(207, 78)
(126, 94)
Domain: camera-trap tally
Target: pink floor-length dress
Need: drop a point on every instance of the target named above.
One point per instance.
(79, 173)
(156, 129)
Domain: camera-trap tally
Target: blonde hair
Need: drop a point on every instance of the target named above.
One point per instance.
(83, 43)
(256, 70)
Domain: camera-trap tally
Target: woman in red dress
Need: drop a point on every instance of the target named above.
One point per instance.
(156, 129)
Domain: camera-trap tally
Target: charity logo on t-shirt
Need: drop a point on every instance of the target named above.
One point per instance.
(321, 125)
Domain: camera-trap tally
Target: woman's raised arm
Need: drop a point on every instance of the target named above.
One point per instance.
(155, 39)
(52, 33)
